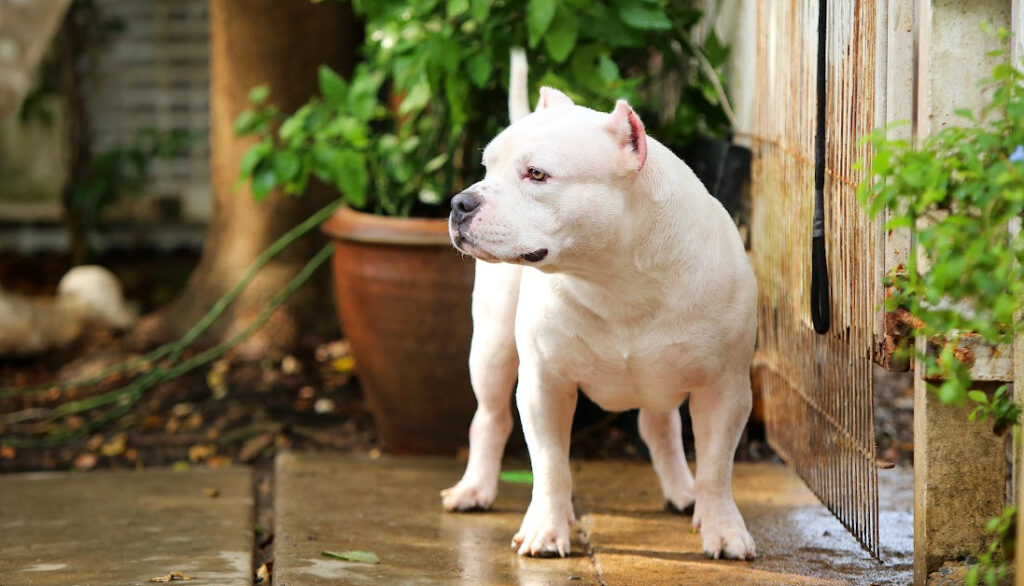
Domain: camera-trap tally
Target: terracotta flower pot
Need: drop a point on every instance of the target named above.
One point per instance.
(403, 296)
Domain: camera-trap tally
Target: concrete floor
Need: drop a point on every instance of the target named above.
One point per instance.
(126, 528)
(391, 507)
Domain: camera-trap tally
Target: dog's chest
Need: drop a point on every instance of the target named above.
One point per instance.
(623, 368)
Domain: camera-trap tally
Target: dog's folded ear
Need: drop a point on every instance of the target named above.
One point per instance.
(550, 97)
(627, 128)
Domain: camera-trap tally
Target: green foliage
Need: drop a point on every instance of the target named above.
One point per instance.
(960, 194)
(122, 170)
(408, 127)
(995, 563)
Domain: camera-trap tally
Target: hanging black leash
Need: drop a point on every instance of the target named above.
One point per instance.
(819, 263)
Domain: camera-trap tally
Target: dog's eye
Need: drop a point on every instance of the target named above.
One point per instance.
(536, 174)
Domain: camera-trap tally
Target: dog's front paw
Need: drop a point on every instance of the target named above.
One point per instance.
(544, 532)
(468, 496)
(723, 532)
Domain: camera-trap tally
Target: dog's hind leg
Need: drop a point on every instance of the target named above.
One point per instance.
(493, 364)
(662, 432)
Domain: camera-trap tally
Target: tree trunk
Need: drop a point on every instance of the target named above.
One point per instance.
(279, 43)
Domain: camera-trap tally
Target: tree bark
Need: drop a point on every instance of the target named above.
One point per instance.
(279, 43)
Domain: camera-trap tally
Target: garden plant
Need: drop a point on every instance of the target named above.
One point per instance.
(960, 194)
(405, 132)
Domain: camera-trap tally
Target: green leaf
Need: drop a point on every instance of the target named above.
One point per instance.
(416, 99)
(561, 36)
(259, 94)
(479, 9)
(253, 156)
(435, 163)
(607, 69)
(639, 15)
(350, 176)
(286, 165)
(516, 476)
(333, 88)
(539, 14)
(457, 8)
(978, 397)
(479, 68)
(352, 555)
(263, 181)
(248, 121)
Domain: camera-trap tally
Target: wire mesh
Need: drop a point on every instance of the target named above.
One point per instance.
(817, 388)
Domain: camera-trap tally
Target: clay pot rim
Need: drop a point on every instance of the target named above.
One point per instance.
(353, 225)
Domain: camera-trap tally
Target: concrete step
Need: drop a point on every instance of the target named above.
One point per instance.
(112, 528)
(391, 507)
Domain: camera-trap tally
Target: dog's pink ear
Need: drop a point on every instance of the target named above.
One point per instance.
(550, 97)
(627, 128)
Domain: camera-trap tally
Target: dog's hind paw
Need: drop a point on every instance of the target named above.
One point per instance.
(466, 497)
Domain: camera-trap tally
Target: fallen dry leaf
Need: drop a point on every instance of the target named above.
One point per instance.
(182, 409)
(219, 462)
(173, 577)
(86, 461)
(211, 492)
(192, 422)
(200, 452)
(114, 447)
(94, 443)
(344, 364)
(7, 452)
(263, 575)
(353, 555)
(253, 446)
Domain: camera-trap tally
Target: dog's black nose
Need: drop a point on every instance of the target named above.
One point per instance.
(463, 206)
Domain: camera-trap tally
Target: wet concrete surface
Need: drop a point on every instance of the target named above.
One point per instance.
(798, 540)
(112, 528)
(391, 508)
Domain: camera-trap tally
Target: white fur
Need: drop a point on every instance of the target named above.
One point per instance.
(645, 298)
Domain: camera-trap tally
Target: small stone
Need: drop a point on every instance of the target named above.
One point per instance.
(323, 406)
(306, 392)
(291, 365)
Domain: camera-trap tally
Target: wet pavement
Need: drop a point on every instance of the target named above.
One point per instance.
(129, 527)
(391, 507)
(112, 528)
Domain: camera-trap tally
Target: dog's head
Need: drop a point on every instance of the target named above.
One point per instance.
(556, 186)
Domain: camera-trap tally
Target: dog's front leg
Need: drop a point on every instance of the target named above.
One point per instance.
(492, 369)
(546, 406)
(719, 415)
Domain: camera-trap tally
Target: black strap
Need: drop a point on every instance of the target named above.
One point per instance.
(820, 316)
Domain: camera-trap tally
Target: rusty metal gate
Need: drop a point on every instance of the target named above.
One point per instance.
(817, 389)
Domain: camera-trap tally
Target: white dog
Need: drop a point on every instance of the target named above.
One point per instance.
(620, 276)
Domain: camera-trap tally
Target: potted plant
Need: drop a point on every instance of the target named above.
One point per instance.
(404, 134)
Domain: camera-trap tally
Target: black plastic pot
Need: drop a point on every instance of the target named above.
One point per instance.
(723, 167)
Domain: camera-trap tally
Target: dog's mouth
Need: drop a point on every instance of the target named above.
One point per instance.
(535, 256)
(466, 246)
